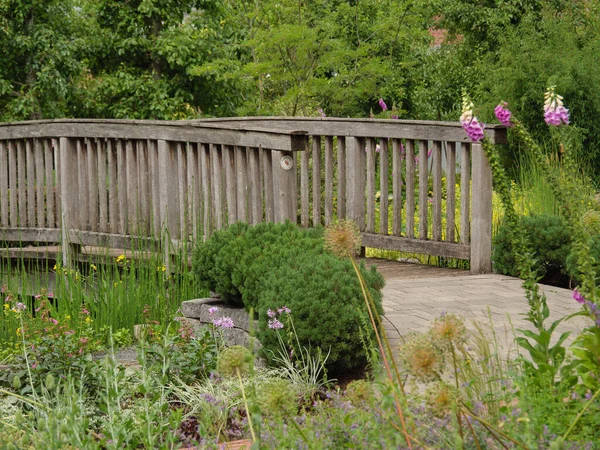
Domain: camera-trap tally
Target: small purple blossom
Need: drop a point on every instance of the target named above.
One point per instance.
(275, 324)
(554, 112)
(395, 116)
(378, 148)
(382, 104)
(223, 322)
(271, 313)
(284, 309)
(321, 112)
(578, 297)
(20, 307)
(503, 114)
(212, 310)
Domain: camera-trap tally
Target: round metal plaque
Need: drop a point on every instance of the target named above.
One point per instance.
(287, 163)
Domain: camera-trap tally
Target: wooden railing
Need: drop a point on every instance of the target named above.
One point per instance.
(117, 183)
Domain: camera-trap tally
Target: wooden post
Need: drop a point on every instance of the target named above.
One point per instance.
(355, 181)
(284, 186)
(169, 196)
(481, 221)
(68, 181)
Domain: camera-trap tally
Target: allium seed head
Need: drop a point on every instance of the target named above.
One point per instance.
(342, 238)
(422, 358)
(277, 397)
(440, 397)
(359, 391)
(234, 358)
(449, 329)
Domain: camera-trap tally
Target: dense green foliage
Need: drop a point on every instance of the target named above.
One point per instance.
(549, 243)
(327, 306)
(271, 265)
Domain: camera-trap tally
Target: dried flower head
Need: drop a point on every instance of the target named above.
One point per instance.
(277, 397)
(359, 391)
(422, 358)
(342, 238)
(440, 398)
(449, 329)
(233, 359)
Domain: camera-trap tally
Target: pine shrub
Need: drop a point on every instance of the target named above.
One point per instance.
(327, 307)
(549, 241)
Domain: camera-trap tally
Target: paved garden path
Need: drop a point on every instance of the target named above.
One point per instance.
(416, 294)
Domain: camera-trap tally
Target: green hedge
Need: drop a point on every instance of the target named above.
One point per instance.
(271, 265)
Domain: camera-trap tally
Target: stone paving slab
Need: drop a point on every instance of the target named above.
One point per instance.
(497, 302)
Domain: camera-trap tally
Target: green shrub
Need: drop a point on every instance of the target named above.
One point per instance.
(549, 241)
(204, 263)
(327, 306)
(233, 261)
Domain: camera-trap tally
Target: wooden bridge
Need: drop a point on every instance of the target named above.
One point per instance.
(119, 183)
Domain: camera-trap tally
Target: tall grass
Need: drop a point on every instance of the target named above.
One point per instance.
(118, 290)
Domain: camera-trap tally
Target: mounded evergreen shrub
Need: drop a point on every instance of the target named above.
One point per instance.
(232, 261)
(326, 302)
(549, 241)
(213, 276)
(271, 265)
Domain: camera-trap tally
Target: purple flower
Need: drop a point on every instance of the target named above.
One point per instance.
(223, 322)
(20, 307)
(503, 114)
(212, 310)
(271, 313)
(382, 104)
(474, 129)
(394, 116)
(320, 111)
(275, 324)
(378, 148)
(554, 112)
(578, 297)
(284, 309)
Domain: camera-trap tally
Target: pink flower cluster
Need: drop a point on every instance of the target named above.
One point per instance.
(556, 115)
(503, 114)
(274, 323)
(382, 104)
(554, 112)
(474, 129)
(592, 308)
(223, 322)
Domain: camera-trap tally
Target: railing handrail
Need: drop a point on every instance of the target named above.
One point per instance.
(334, 126)
(178, 131)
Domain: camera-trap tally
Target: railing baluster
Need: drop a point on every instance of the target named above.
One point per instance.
(39, 183)
(437, 191)
(113, 195)
(83, 186)
(256, 207)
(122, 187)
(383, 186)
(341, 177)
(410, 189)
(316, 180)
(132, 188)
(370, 149)
(13, 183)
(94, 189)
(355, 180)
(267, 177)
(102, 185)
(206, 189)
(144, 185)
(450, 191)
(465, 192)
(4, 185)
(423, 190)
(304, 188)
(30, 164)
(397, 187)
(328, 179)
(241, 166)
(48, 184)
(22, 184)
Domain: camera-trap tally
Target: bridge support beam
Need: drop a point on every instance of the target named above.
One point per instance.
(481, 218)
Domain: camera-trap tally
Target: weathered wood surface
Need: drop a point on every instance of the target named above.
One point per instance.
(142, 178)
(481, 221)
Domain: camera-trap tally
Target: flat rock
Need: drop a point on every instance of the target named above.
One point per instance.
(199, 309)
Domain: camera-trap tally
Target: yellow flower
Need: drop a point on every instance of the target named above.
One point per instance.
(93, 266)
(18, 331)
(88, 320)
(162, 268)
(68, 317)
(120, 258)
(6, 306)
